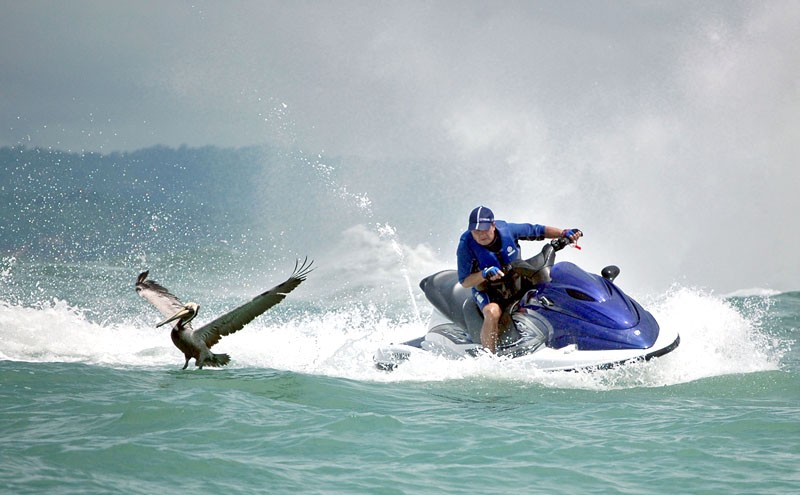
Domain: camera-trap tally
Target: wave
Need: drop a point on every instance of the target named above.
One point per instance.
(753, 292)
(717, 338)
(56, 332)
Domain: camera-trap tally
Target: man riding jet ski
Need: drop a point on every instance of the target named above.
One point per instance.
(484, 248)
(556, 315)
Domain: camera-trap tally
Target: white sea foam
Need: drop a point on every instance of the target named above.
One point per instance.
(56, 332)
(716, 339)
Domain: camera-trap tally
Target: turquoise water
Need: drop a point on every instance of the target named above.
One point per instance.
(91, 403)
(361, 134)
(76, 428)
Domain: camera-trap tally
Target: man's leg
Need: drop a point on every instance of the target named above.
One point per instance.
(490, 330)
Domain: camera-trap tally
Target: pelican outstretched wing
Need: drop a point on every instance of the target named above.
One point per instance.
(244, 314)
(157, 295)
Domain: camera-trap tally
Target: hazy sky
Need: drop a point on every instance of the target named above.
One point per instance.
(671, 127)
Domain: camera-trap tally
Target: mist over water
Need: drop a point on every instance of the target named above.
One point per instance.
(666, 132)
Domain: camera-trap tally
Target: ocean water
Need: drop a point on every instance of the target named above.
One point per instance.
(218, 150)
(93, 401)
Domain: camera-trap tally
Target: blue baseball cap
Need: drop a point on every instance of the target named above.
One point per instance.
(481, 218)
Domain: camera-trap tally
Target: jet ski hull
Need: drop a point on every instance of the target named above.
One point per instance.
(449, 343)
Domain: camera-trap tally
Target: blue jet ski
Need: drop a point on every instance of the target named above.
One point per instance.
(561, 318)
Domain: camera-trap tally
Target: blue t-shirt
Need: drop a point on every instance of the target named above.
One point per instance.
(473, 257)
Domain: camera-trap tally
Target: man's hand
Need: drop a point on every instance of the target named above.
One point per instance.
(572, 234)
(492, 273)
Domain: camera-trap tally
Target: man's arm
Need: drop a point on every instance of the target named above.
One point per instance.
(552, 232)
(535, 232)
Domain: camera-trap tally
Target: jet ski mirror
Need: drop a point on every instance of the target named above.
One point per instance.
(610, 272)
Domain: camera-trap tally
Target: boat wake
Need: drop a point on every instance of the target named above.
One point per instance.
(718, 337)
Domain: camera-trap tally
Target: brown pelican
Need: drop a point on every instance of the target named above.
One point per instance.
(196, 343)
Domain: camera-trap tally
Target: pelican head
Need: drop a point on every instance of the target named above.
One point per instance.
(185, 314)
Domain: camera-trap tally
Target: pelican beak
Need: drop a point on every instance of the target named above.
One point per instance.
(186, 314)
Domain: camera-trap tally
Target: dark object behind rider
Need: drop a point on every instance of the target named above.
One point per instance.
(484, 249)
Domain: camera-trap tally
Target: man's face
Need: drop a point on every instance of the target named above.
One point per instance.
(484, 237)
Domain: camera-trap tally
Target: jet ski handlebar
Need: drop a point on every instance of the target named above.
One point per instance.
(535, 268)
(560, 243)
